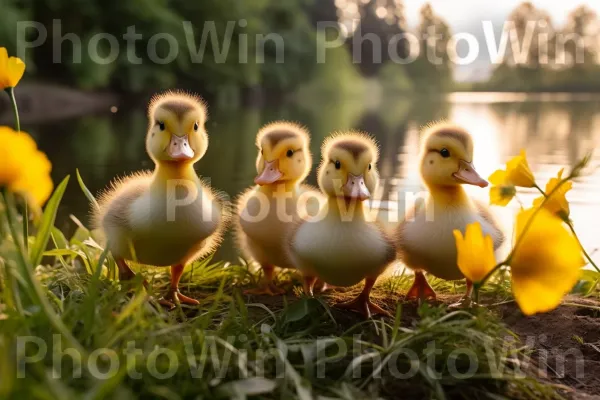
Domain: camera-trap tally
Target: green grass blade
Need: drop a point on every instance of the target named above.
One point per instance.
(47, 223)
(86, 191)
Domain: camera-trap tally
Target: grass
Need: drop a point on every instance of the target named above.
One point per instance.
(106, 339)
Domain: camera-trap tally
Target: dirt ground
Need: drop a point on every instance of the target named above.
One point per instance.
(565, 343)
(568, 336)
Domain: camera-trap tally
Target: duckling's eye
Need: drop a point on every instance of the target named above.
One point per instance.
(290, 153)
(369, 167)
(195, 126)
(161, 125)
(338, 164)
(445, 153)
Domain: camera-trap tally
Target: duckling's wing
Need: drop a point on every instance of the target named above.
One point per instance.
(216, 238)
(484, 212)
(239, 236)
(115, 201)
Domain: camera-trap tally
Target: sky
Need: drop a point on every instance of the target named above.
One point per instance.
(466, 16)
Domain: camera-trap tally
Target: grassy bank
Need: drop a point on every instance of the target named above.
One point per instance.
(122, 344)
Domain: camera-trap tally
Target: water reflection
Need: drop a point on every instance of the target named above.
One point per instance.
(555, 131)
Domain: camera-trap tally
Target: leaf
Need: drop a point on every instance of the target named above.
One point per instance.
(246, 387)
(60, 240)
(301, 309)
(47, 223)
(86, 191)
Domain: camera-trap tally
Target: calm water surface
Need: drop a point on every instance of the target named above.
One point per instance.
(555, 130)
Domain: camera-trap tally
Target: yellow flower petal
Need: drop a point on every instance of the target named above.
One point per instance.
(23, 168)
(475, 253)
(502, 195)
(546, 263)
(518, 171)
(11, 70)
(557, 203)
(498, 177)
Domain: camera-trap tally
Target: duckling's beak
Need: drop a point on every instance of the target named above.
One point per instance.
(179, 148)
(467, 174)
(355, 188)
(270, 174)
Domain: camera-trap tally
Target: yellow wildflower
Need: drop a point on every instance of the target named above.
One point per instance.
(501, 193)
(23, 168)
(475, 252)
(11, 70)
(546, 262)
(557, 203)
(517, 173)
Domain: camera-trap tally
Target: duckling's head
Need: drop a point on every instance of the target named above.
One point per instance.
(348, 168)
(176, 131)
(447, 157)
(284, 154)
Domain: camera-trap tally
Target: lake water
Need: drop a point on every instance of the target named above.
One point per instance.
(556, 131)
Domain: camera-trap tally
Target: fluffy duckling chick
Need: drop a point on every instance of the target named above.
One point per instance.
(341, 246)
(267, 211)
(168, 217)
(425, 239)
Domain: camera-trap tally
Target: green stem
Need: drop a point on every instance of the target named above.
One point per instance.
(11, 94)
(36, 290)
(585, 253)
(13, 100)
(535, 185)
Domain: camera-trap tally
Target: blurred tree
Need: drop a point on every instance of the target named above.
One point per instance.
(549, 59)
(146, 45)
(432, 70)
(373, 40)
(579, 38)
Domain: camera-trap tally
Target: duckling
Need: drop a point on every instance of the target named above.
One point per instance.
(167, 217)
(267, 211)
(341, 245)
(425, 240)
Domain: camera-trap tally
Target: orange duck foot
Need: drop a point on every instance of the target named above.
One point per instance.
(363, 306)
(420, 289)
(174, 296)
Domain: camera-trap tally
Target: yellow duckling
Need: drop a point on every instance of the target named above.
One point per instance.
(341, 246)
(425, 239)
(267, 211)
(168, 217)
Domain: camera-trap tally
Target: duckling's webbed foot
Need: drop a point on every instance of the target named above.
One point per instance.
(267, 286)
(174, 296)
(420, 290)
(465, 301)
(362, 303)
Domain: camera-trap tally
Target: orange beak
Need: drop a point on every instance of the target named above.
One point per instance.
(355, 188)
(466, 174)
(179, 148)
(270, 173)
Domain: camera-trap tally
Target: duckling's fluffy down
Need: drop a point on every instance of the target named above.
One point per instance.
(114, 218)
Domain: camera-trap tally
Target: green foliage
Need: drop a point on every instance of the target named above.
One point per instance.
(395, 78)
(137, 67)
